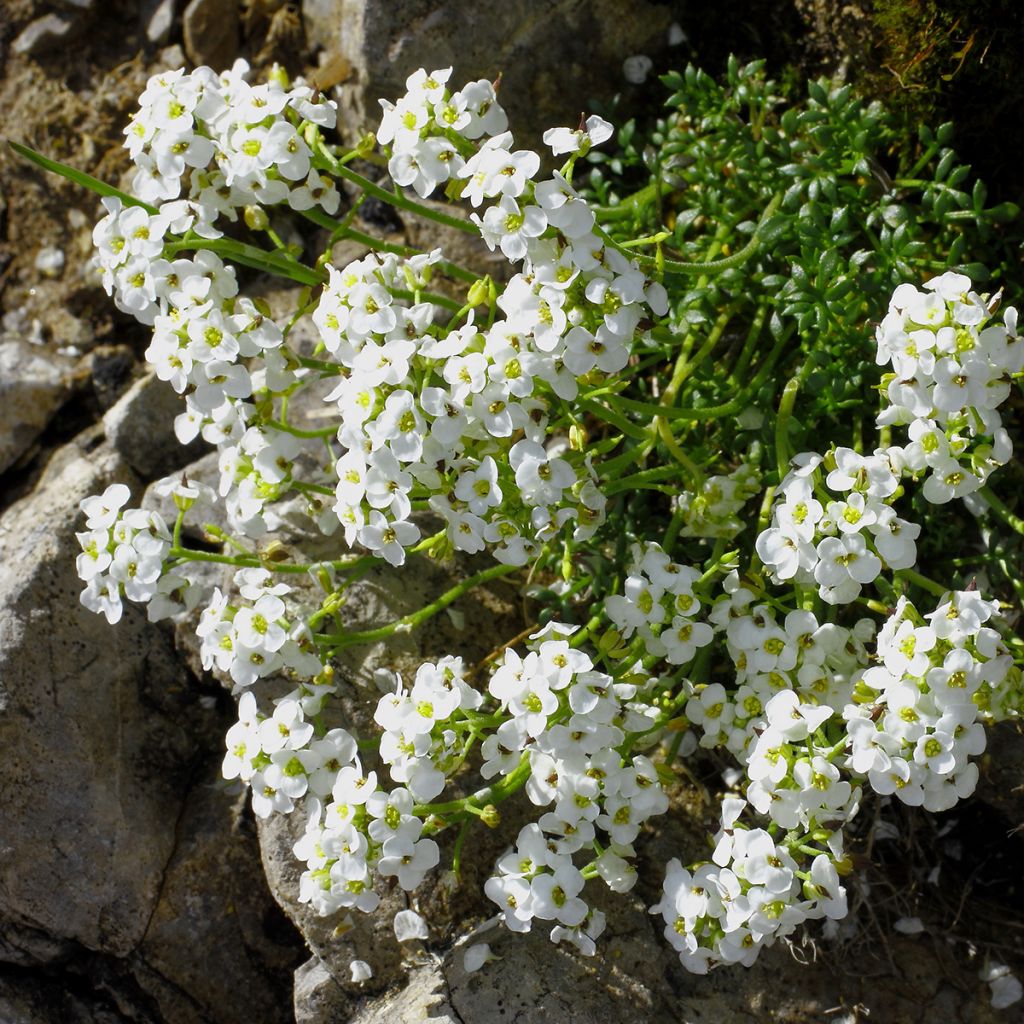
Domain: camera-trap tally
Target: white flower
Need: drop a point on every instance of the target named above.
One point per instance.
(566, 140)
(360, 971)
(409, 926)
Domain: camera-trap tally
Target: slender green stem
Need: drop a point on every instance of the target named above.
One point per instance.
(411, 621)
(717, 267)
(685, 367)
(930, 585)
(644, 478)
(494, 794)
(286, 428)
(691, 468)
(1014, 522)
(711, 412)
(785, 414)
(629, 206)
(250, 256)
(446, 267)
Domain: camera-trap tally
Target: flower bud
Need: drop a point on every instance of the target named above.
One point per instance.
(478, 292)
(275, 551)
(490, 816)
(366, 145)
(256, 218)
(279, 75)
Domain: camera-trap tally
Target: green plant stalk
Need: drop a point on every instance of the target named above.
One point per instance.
(1001, 510)
(337, 641)
(737, 259)
(712, 412)
(250, 256)
(493, 794)
(101, 188)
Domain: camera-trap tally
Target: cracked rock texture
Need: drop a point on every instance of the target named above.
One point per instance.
(553, 55)
(123, 858)
(32, 388)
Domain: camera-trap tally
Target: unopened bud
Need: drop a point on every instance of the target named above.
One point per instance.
(275, 551)
(490, 816)
(256, 218)
(279, 75)
(478, 292)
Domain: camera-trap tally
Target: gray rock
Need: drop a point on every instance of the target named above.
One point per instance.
(44, 34)
(95, 728)
(211, 32)
(553, 55)
(318, 998)
(157, 20)
(33, 999)
(215, 899)
(422, 999)
(34, 384)
(140, 427)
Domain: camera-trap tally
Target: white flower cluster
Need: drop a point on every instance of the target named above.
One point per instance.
(417, 128)
(280, 756)
(228, 144)
(659, 605)
(916, 720)
(460, 417)
(752, 893)
(815, 712)
(570, 722)
(418, 742)
(837, 542)
(951, 370)
(456, 420)
(123, 552)
(470, 420)
(251, 641)
(356, 827)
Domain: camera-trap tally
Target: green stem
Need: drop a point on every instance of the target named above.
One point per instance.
(379, 245)
(414, 619)
(629, 206)
(250, 256)
(296, 432)
(712, 412)
(682, 267)
(494, 794)
(1014, 522)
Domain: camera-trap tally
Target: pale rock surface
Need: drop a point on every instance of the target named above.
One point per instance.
(34, 383)
(553, 55)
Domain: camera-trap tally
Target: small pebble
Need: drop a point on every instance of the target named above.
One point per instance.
(635, 69)
(50, 261)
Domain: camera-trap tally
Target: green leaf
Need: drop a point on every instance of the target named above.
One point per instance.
(78, 177)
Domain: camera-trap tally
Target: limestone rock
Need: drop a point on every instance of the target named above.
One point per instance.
(45, 33)
(318, 998)
(33, 385)
(31, 999)
(94, 725)
(140, 426)
(211, 32)
(422, 999)
(552, 56)
(214, 899)
(157, 19)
